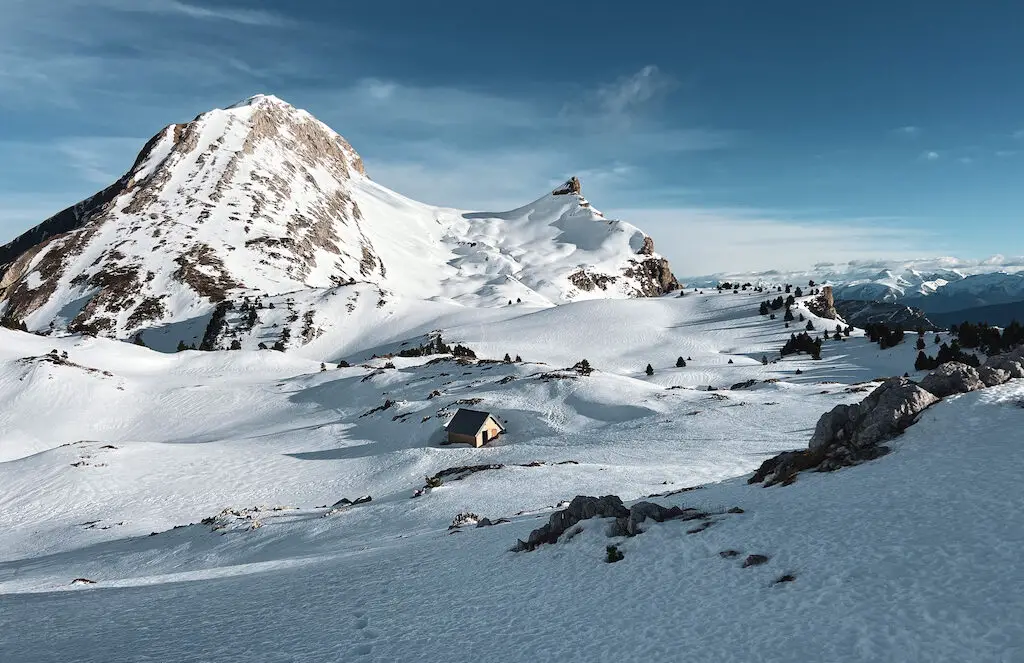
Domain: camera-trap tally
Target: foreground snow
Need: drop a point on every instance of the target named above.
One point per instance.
(913, 557)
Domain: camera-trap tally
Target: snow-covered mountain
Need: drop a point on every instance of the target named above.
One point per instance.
(262, 199)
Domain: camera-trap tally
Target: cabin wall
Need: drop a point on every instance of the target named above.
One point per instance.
(456, 438)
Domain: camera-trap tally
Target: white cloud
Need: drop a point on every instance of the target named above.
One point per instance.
(910, 131)
(628, 93)
(930, 155)
(967, 161)
(704, 241)
(1019, 134)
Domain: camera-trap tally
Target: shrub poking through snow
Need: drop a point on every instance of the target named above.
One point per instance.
(755, 560)
(463, 519)
(613, 554)
(433, 482)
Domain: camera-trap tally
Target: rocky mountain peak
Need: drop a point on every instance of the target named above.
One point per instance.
(571, 186)
(261, 199)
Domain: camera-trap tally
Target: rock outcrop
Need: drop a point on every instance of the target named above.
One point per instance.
(952, 378)
(654, 277)
(850, 434)
(648, 248)
(572, 186)
(824, 305)
(627, 521)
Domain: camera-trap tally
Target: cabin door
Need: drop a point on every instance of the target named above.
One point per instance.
(483, 437)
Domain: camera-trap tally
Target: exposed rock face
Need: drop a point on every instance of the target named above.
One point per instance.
(654, 275)
(952, 378)
(850, 434)
(572, 186)
(824, 305)
(589, 282)
(648, 248)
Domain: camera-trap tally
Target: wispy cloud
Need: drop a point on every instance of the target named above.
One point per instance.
(908, 131)
(629, 93)
(930, 155)
(243, 16)
(1018, 135)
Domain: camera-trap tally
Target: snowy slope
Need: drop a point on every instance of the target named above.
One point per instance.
(262, 199)
(915, 554)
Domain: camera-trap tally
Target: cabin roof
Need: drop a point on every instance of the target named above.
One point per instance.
(469, 422)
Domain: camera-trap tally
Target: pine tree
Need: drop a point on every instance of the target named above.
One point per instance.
(508, 359)
(789, 315)
(236, 344)
(323, 367)
(649, 370)
(138, 340)
(920, 343)
(181, 346)
(519, 359)
(810, 325)
(764, 360)
(680, 363)
(798, 292)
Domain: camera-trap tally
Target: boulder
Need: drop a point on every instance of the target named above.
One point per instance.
(952, 378)
(851, 434)
(992, 376)
(885, 413)
(1011, 362)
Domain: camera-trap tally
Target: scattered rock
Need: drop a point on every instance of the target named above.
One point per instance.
(755, 560)
(1010, 362)
(83, 581)
(736, 509)
(952, 378)
(789, 577)
(727, 554)
(743, 385)
(580, 508)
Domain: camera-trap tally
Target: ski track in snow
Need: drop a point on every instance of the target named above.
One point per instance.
(913, 557)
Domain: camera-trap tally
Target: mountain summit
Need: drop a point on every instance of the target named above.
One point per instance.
(263, 199)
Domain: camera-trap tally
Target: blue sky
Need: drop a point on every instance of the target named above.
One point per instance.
(740, 135)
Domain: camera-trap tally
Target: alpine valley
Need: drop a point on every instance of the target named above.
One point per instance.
(225, 381)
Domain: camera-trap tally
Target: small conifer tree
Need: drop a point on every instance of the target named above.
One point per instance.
(649, 370)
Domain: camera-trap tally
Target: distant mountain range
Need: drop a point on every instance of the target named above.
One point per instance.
(943, 290)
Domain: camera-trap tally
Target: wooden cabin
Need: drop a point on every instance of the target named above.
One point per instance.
(473, 427)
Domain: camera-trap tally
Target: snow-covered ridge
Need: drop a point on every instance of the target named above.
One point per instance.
(262, 199)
